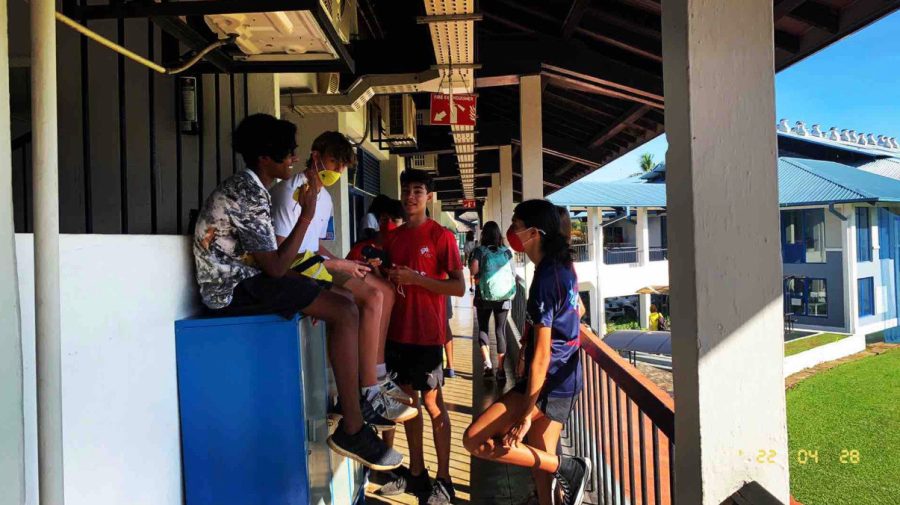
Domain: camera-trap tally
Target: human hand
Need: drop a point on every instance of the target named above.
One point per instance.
(307, 196)
(517, 432)
(352, 268)
(404, 275)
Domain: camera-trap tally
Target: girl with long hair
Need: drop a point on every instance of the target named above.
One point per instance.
(522, 428)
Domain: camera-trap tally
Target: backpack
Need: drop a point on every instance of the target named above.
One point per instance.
(497, 282)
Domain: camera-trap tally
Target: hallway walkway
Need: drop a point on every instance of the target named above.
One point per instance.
(476, 481)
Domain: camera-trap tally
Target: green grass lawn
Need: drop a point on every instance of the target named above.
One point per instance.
(805, 344)
(854, 407)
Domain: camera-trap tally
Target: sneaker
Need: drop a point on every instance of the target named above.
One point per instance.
(448, 486)
(402, 481)
(396, 411)
(439, 495)
(364, 447)
(488, 373)
(572, 478)
(374, 413)
(390, 388)
(449, 373)
(501, 375)
(471, 290)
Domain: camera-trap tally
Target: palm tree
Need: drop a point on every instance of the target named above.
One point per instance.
(646, 162)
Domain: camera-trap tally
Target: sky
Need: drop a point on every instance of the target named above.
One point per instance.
(852, 84)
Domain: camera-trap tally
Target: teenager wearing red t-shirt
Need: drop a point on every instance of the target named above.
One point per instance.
(426, 270)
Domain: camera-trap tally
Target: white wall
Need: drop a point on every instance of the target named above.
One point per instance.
(625, 279)
(120, 296)
(828, 352)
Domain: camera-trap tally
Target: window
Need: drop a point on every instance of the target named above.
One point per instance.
(806, 297)
(803, 236)
(885, 237)
(866, 287)
(863, 235)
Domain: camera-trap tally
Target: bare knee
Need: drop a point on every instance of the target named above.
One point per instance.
(370, 298)
(476, 443)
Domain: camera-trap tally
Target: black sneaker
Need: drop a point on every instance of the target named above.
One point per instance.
(488, 373)
(448, 486)
(364, 447)
(501, 375)
(439, 495)
(572, 478)
(373, 414)
(402, 481)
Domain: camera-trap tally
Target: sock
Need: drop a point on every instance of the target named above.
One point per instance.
(488, 364)
(381, 371)
(369, 392)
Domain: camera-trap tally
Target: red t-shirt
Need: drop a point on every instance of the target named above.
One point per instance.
(355, 253)
(421, 316)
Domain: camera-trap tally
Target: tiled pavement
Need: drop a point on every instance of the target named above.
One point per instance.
(476, 481)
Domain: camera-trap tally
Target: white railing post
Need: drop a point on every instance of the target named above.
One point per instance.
(642, 230)
(45, 152)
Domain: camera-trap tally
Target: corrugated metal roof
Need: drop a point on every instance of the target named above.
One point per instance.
(812, 182)
(610, 194)
(889, 167)
(800, 182)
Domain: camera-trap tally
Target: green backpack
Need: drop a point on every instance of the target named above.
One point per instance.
(497, 282)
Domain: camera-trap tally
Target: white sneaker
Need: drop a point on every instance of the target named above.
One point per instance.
(390, 388)
(394, 410)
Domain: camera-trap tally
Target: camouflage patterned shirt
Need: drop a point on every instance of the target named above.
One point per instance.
(235, 221)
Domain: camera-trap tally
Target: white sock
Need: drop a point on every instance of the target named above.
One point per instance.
(381, 371)
(488, 364)
(369, 392)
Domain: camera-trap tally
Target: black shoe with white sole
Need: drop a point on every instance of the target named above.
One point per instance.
(365, 447)
(572, 478)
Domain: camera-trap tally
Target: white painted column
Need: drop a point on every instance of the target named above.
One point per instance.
(390, 176)
(724, 263)
(497, 194)
(45, 152)
(506, 187)
(487, 211)
(436, 209)
(642, 232)
(595, 225)
(848, 257)
(264, 95)
(644, 310)
(12, 436)
(530, 120)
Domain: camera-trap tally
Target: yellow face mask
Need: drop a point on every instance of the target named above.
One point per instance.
(328, 177)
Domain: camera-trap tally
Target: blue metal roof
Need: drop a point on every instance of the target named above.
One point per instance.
(610, 194)
(800, 182)
(815, 182)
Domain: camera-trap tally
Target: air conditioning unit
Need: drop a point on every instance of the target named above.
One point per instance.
(398, 120)
(426, 162)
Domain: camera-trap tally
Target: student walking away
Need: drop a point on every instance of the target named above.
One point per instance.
(242, 270)
(330, 155)
(491, 264)
(522, 428)
(468, 247)
(655, 317)
(426, 269)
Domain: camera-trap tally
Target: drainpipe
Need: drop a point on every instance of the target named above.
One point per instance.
(833, 210)
(46, 250)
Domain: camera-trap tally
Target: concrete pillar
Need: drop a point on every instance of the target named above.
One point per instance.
(497, 194)
(12, 462)
(390, 176)
(644, 310)
(642, 232)
(264, 94)
(725, 262)
(848, 255)
(45, 152)
(530, 90)
(506, 187)
(487, 211)
(598, 311)
(436, 211)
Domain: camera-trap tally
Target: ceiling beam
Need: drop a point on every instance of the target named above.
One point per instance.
(819, 15)
(573, 18)
(616, 127)
(784, 7)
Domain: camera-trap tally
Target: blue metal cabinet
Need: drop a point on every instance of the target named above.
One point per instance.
(240, 394)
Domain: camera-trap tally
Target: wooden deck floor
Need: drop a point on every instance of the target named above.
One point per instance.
(476, 482)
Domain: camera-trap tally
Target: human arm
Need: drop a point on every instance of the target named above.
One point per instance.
(278, 262)
(453, 285)
(537, 375)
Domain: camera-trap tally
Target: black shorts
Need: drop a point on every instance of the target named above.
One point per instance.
(262, 294)
(554, 408)
(417, 366)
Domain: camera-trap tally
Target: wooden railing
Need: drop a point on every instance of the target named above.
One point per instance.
(625, 424)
